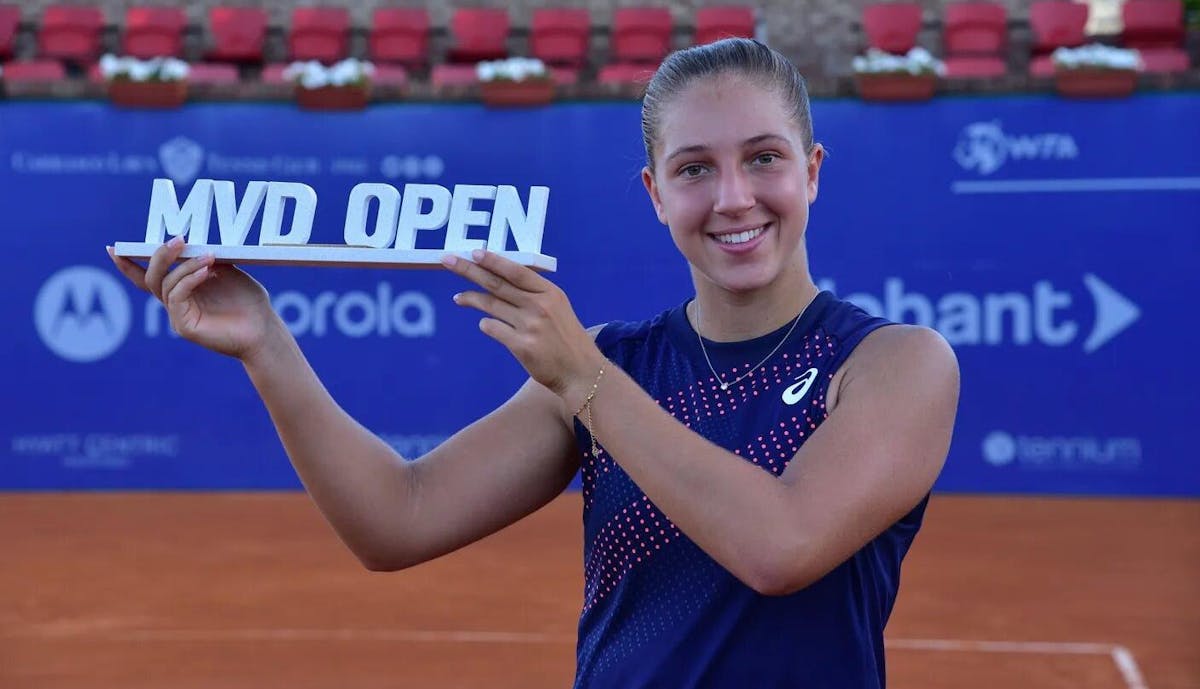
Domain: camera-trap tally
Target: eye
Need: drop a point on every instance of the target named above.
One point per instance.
(766, 158)
(692, 170)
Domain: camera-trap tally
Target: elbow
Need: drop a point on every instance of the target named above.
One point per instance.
(777, 583)
(381, 565)
(384, 564)
(780, 573)
(383, 560)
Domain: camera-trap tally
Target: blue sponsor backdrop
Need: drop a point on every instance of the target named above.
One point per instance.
(1054, 243)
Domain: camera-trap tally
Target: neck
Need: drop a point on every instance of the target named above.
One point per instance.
(726, 316)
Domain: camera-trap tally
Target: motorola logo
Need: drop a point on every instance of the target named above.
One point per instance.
(82, 314)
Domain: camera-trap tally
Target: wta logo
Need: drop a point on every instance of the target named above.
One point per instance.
(82, 314)
(985, 147)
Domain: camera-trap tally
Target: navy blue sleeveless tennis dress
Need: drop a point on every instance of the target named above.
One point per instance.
(657, 610)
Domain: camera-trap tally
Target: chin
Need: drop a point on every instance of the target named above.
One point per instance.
(744, 280)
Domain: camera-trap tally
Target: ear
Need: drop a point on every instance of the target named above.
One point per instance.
(652, 190)
(814, 170)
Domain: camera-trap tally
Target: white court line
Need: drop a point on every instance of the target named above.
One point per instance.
(1025, 186)
(1121, 656)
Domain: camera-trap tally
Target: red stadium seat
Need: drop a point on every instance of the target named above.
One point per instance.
(32, 71)
(1055, 24)
(626, 73)
(71, 33)
(10, 20)
(715, 23)
(319, 33)
(1152, 23)
(390, 75)
(640, 35)
(238, 34)
(399, 36)
(561, 37)
(1155, 29)
(892, 26)
(974, 39)
(273, 74)
(453, 74)
(212, 73)
(154, 32)
(479, 33)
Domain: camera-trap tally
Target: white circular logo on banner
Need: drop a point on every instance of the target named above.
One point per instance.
(999, 448)
(82, 314)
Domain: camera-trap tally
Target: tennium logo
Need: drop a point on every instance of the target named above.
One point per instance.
(82, 314)
(1085, 453)
(984, 147)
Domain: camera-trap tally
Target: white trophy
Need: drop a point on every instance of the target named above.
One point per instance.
(389, 244)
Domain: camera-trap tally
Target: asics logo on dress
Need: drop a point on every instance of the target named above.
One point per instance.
(796, 391)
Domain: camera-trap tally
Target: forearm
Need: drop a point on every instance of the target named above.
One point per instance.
(736, 512)
(359, 483)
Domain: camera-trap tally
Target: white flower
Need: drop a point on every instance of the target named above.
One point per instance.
(166, 69)
(514, 68)
(174, 69)
(141, 71)
(314, 76)
(344, 72)
(916, 61)
(110, 66)
(485, 71)
(1097, 55)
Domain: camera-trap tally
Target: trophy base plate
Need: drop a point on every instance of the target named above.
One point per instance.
(328, 255)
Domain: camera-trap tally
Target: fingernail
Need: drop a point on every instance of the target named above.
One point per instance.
(477, 254)
(176, 240)
(457, 297)
(449, 260)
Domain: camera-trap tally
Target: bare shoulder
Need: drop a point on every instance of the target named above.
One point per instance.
(911, 344)
(910, 358)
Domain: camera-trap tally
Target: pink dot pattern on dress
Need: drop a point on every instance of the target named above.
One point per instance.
(638, 531)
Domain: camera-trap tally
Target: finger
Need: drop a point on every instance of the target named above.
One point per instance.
(182, 289)
(491, 305)
(185, 269)
(160, 263)
(515, 273)
(499, 331)
(486, 279)
(130, 269)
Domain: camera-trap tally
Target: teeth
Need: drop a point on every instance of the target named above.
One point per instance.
(739, 237)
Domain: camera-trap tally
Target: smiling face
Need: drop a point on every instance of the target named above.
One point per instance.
(732, 180)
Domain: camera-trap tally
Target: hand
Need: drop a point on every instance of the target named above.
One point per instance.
(218, 307)
(532, 317)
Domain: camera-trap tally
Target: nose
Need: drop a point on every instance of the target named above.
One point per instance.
(734, 193)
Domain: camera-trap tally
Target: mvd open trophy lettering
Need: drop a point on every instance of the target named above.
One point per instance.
(390, 243)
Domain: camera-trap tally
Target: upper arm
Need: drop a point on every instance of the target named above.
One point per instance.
(880, 450)
(492, 473)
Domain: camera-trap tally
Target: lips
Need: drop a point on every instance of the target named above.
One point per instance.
(742, 240)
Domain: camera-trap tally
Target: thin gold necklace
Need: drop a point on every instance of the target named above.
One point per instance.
(718, 376)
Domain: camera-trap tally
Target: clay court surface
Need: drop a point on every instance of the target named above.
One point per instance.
(241, 591)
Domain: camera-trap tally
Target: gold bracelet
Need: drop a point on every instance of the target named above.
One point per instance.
(587, 406)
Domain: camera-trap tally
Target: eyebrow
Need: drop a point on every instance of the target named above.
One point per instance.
(752, 141)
